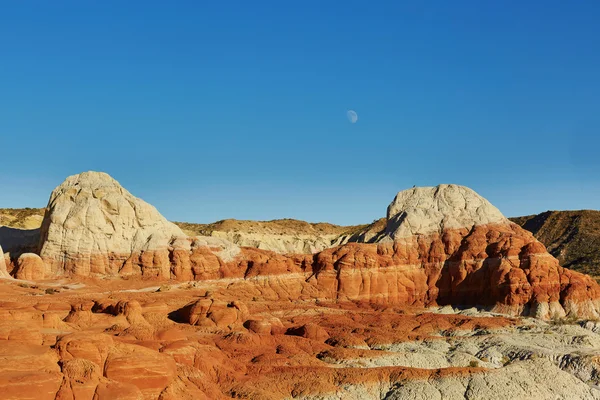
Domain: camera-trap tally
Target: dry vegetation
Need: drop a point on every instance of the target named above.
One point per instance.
(23, 218)
(275, 227)
(573, 237)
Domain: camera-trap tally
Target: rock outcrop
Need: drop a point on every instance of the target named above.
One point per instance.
(92, 225)
(208, 312)
(448, 245)
(347, 322)
(31, 267)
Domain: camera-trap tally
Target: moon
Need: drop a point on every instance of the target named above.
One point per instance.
(352, 116)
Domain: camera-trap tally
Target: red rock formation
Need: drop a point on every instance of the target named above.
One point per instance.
(30, 267)
(309, 331)
(497, 265)
(208, 312)
(201, 262)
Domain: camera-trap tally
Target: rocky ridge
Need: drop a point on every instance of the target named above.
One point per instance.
(442, 245)
(570, 236)
(285, 236)
(573, 237)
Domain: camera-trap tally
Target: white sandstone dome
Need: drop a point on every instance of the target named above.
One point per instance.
(426, 210)
(91, 218)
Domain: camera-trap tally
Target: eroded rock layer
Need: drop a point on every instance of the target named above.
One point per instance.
(441, 245)
(500, 266)
(93, 225)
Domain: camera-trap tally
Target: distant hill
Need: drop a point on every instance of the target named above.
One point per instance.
(22, 218)
(285, 226)
(573, 237)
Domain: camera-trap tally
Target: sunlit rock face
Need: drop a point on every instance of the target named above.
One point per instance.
(426, 210)
(448, 245)
(440, 245)
(92, 225)
(95, 227)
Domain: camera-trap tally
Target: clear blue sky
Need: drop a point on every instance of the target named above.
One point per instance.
(212, 110)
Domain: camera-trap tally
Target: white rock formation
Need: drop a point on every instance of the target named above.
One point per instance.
(426, 210)
(92, 225)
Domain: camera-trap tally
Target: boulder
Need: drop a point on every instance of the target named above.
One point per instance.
(31, 267)
(309, 331)
(92, 347)
(265, 326)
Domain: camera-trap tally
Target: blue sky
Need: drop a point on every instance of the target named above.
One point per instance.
(237, 109)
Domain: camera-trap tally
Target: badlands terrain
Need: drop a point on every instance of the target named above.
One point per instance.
(444, 298)
(573, 237)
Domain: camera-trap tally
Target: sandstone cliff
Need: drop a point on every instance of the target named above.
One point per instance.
(573, 237)
(347, 322)
(426, 210)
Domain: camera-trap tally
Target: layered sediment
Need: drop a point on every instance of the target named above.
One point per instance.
(440, 245)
